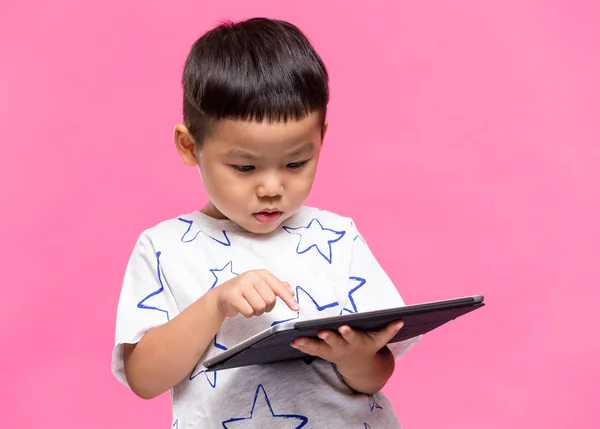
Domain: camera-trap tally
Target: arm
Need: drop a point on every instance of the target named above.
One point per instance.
(166, 354)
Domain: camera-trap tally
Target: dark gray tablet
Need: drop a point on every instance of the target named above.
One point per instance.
(273, 344)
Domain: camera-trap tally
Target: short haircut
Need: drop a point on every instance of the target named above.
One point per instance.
(253, 70)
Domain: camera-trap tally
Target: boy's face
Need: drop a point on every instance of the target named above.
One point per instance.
(256, 174)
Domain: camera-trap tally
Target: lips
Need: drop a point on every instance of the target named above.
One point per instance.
(268, 215)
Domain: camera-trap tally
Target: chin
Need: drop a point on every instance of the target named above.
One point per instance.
(253, 226)
(259, 228)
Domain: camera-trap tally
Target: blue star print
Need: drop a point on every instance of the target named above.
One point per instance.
(358, 237)
(192, 232)
(189, 235)
(225, 274)
(225, 242)
(373, 403)
(143, 304)
(360, 282)
(176, 424)
(210, 377)
(262, 413)
(316, 305)
(367, 426)
(217, 345)
(314, 235)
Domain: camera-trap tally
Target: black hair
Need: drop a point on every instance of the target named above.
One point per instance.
(257, 69)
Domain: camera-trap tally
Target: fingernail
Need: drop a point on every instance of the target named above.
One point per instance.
(299, 342)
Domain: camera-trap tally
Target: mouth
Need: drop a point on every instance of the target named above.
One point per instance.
(268, 215)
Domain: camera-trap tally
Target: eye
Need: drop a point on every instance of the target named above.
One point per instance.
(296, 165)
(243, 168)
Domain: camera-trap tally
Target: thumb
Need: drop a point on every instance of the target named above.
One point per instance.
(386, 334)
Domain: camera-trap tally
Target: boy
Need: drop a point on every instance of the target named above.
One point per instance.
(255, 100)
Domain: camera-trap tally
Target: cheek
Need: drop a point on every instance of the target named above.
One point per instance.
(302, 185)
(216, 179)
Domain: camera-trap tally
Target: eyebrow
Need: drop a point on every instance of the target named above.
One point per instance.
(238, 153)
(308, 147)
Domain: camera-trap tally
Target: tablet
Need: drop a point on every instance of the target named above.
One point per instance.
(273, 344)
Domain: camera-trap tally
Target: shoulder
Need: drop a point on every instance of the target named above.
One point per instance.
(325, 218)
(183, 228)
(170, 227)
(322, 225)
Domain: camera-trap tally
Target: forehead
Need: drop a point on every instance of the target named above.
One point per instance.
(264, 137)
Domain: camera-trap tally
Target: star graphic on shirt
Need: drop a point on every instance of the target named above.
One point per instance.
(373, 403)
(176, 424)
(315, 304)
(217, 345)
(226, 242)
(367, 426)
(360, 282)
(315, 235)
(262, 413)
(211, 377)
(146, 303)
(359, 237)
(193, 230)
(223, 274)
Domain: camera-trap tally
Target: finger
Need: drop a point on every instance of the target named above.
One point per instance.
(255, 300)
(386, 334)
(286, 284)
(350, 335)
(281, 290)
(312, 347)
(242, 306)
(332, 339)
(266, 294)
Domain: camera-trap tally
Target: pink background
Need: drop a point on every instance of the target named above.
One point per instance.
(464, 140)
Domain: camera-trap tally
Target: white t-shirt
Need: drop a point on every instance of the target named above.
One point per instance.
(326, 261)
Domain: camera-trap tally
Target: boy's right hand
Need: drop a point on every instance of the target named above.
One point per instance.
(252, 294)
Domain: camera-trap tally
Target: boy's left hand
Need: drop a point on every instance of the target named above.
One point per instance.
(349, 348)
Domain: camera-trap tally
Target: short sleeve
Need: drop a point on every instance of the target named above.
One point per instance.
(370, 288)
(145, 302)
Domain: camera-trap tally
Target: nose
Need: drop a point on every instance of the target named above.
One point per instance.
(270, 186)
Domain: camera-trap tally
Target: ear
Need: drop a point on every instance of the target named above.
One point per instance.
(185, 145)
(324, 130)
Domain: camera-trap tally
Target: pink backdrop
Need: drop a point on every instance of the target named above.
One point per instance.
(464, 139)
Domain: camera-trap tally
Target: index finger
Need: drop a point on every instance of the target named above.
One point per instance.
(282, 291)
